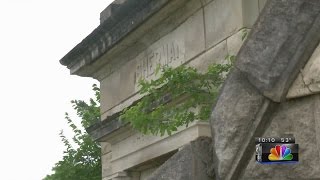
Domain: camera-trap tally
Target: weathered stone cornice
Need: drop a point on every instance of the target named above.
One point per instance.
(122, 19)
(103, 128)
(111, 124)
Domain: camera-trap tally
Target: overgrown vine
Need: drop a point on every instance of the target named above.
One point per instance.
(178, 97)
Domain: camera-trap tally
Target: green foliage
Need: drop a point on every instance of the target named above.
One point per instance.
(179, 96)
(81, 162)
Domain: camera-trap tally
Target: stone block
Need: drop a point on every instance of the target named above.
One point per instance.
(110, 10)
(118, 86)
(194, 35)
(133, 144)
(163, 22)
(222, 19)
(127, 79)
(127, 154)
(250, 12)
(262, 3)
(120, 176)
(174, 49)
(192, 162)
(299, 117)
(235, 42)
(137, 141)
(317, 121)
(119, 107)
(216, 55)
(146, 173)
(115, 133)
(240, 108)
(156, 27)
(123, 21)
(298, 88)
(110, 89)
(205, 2)
(106, 164)
(308, 80)
(105, 147)
(274, 39)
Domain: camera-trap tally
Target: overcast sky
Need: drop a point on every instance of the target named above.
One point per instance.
(35, 88)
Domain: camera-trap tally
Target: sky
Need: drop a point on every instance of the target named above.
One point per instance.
(35, 89)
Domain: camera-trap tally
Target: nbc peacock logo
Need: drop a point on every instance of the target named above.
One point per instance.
(280, 153)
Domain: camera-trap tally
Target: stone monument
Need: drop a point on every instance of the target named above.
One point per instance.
(271, 91)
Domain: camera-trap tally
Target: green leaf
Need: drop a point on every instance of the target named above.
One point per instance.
(187, 88)
(81, 158)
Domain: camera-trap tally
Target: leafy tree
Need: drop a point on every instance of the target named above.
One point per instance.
(81, 160)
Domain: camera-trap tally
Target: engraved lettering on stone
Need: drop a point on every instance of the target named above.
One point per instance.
(167, 54)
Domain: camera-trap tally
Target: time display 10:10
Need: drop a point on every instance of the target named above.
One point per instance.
(274, 140)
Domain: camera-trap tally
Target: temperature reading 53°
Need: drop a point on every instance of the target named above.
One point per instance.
(286, 140)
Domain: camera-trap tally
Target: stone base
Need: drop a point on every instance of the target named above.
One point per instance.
(130, 149)
(192, 162)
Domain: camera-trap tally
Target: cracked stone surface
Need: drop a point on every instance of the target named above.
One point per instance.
(308, 81)
(299, 117)
(272, 66)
